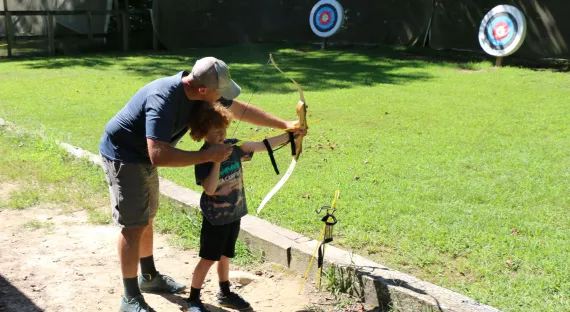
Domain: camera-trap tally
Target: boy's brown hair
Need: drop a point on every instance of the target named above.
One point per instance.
(207, 116)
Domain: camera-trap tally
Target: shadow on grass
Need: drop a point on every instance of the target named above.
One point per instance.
(332, 69)
(336, 68)
(340, 66)
(466, 59)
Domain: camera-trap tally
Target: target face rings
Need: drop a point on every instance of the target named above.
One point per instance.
(326, 18)
(502, 31)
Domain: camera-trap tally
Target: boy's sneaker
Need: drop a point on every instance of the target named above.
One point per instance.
(194, 306)
(233, 301)
(160, 284)
(136, 304)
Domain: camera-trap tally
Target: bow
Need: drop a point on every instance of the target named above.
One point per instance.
(297, 144)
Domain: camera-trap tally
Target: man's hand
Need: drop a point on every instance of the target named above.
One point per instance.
(293, 126)
(219, 152)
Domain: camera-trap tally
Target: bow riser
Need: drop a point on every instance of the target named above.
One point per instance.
(302, 114)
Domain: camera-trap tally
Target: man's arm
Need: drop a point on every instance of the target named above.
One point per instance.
(256, 116)
(163, 155)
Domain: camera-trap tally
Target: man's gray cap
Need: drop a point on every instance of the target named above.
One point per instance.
(214, 73)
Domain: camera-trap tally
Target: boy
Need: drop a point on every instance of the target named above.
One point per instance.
(222, 204)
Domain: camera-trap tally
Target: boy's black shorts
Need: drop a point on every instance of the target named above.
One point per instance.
(218, 240)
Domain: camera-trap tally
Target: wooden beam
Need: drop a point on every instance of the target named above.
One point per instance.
(71, 36)
(324, 44)
(51, 34)
(9, 31)
(89, 24)
(125, 26)
(499, 61)
(73, 13)
(155, 22)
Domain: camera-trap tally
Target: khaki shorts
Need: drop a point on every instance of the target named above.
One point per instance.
(134, 192)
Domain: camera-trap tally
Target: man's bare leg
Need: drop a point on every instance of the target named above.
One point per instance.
(152, 280)
(147, 240)
(148, 270)
(128, 247)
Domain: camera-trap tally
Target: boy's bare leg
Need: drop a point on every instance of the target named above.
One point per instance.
(226, 297)
(223, 275)
(224, 269)
(193, 302)
(200, 272)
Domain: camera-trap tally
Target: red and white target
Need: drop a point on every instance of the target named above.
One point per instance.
(326, 18)
(502, 31)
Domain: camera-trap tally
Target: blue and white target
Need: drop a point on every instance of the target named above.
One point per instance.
(502, 31)
(326, 18)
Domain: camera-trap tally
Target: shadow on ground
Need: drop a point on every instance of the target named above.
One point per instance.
(13, 299)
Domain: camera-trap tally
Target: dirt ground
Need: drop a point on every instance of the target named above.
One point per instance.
(51, 260)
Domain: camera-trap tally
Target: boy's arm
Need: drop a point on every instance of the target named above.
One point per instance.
(210, 183)
(250, 147)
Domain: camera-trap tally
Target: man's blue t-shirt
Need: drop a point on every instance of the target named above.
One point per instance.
(160, 110)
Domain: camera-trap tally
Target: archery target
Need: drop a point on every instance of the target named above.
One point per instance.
(502, 31)
(326, 18)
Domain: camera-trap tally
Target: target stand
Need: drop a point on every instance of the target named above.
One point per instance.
(502, 32)
(326, 19)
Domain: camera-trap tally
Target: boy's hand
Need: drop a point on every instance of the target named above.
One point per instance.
(219, 152)
(293, 126)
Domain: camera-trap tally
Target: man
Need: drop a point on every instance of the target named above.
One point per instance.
(143, 136)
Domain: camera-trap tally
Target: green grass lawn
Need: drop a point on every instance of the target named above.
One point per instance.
(455, 172)
(45, 174)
